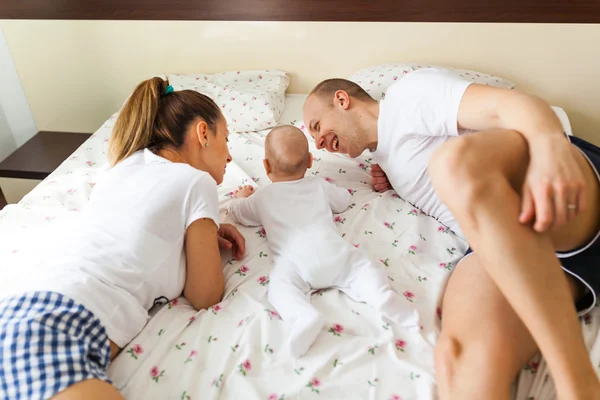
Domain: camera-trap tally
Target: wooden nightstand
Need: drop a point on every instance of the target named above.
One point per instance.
(41, 155)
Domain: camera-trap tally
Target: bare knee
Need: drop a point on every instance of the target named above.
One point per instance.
(447, 355)
(458, 175)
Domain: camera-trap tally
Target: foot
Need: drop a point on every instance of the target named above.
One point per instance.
(304, 334)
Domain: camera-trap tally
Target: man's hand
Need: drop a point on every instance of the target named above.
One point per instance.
(379, 179)
(230, 238)
(554, 190)
(244, 191)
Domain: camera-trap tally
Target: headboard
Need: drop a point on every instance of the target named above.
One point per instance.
(79, 59)
(546, 11)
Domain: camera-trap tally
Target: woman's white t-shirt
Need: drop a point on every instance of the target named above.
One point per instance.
(128, 247)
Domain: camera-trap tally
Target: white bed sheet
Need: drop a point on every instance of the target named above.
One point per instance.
(232, 350)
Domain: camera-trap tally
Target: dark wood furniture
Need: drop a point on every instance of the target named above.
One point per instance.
(39, 156)
(536, 11)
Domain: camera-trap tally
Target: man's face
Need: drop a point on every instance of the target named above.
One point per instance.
(333, 126)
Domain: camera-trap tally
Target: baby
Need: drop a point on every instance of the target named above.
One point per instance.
(309, 253)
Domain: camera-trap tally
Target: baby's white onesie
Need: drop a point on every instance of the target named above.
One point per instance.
(311, 254)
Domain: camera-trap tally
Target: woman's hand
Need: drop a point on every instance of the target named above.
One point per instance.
(554, 190)
(230, 238)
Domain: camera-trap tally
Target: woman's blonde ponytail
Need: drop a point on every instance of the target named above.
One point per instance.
(134, 128)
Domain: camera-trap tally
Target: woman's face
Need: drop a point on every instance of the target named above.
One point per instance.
(208, 150)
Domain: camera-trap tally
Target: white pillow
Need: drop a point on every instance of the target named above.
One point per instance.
(377, 79)
(250, 100)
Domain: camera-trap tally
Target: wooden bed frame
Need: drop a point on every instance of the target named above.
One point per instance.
(532, 11)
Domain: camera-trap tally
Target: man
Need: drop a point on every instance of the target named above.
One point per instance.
(518, 193)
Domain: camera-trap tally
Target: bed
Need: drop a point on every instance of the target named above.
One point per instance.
(231, 351)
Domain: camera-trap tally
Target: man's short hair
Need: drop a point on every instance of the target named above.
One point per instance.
(326, 89)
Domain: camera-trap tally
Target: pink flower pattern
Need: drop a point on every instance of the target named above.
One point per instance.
(245, 367)
(336, 329)
(314, 385)
(400, 345)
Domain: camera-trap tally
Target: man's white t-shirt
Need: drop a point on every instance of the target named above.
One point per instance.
(128, 248)
(419, 113)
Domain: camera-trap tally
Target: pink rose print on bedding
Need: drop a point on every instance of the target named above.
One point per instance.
(409, 295)
(414, 212)
(339, 220)
(336, 329)
(351, 191)
(173, 303)
(395, 397)
(385, 262)
(389, 225)
(400, 345)
(412, 249)
(262, 233)
(263, 280)
(442, 229)
(446, 266)
(217, 381)
(156, 374)
(242, 271)
(135, 350)
(328, 179)
(191, 356)
(374, 382)
(532, 367)
(275, 397)
(245, 367)
(314, 385)
(216, 308)
(272, 314)
(363, 166)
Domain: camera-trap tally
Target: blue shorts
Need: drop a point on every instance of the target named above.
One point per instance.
(48, 342)
(583, 264)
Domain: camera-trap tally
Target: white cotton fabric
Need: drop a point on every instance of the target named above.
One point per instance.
(128, 248)
(201, 354)
(419, 114)
(310, 254)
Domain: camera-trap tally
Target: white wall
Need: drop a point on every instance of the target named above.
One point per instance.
(77, 73)
(16, 120)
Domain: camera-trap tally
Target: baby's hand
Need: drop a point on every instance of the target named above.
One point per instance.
(244, 191)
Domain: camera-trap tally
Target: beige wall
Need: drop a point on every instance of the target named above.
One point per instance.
(76, 73)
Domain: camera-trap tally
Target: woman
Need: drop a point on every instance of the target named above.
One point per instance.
(150, 230)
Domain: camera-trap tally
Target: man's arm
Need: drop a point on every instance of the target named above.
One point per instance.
(554, 190)
(486, 108)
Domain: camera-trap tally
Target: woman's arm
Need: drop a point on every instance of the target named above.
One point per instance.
(204, 284)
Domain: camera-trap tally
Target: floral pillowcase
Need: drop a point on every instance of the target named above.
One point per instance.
(250, 100)
(377, 79)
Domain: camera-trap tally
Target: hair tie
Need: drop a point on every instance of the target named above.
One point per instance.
(168, 90)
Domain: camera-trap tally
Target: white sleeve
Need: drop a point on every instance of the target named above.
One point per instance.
(427, 102)
(339, 198)
(202, 201)
(244, 211)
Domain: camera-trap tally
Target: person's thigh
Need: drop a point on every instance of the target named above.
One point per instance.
(483, 343)
(90, 389)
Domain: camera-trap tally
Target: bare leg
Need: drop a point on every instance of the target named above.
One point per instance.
(484, 344)
(91, 389)
(521, 263)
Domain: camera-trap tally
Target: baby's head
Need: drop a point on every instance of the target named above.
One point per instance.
(286, 154)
